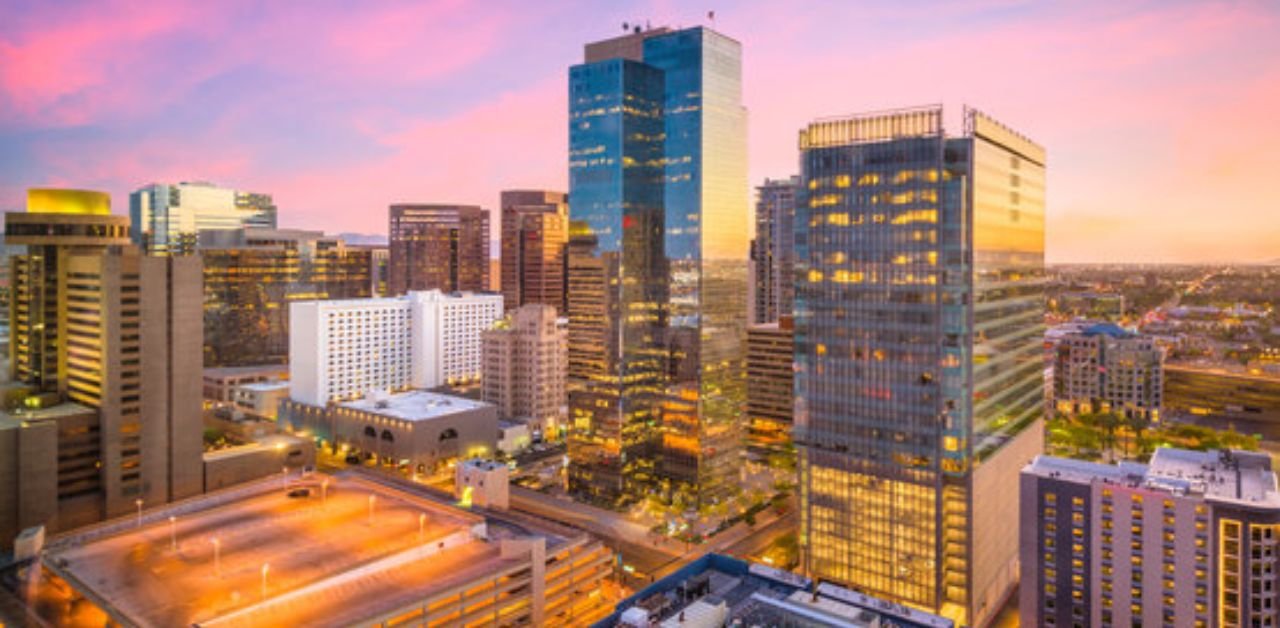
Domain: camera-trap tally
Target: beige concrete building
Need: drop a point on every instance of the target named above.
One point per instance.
(525, 367)
(123, 353)
(220, 383)
(770, 398)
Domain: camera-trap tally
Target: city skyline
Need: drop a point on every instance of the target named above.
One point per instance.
(344, 114)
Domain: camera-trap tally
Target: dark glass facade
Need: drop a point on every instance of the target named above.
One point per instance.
(535, 231)
(438, 247)
(657, 200)
(773, 250)
(919, 387)
(249, 284)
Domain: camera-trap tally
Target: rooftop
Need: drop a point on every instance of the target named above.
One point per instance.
(327, 560)
(31, 415)
(265, 386)
(728, 591)
(1226, 475)
(266, 370)
(414, 405)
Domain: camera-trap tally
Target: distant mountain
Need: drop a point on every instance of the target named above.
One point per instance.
(364, 239)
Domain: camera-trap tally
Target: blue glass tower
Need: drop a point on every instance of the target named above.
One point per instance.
(918, 331)
(657, 266)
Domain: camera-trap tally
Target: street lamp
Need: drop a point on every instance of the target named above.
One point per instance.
(173, 533)
(324, 491)
(284, 477)
(372, 499)
(138, 503)
(265, 568)
(422, 520)
(217, 563)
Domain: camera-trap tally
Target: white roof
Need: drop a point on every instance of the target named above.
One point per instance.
(414, 405)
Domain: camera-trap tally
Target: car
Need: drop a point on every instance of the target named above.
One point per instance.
(300, 492)
(353, 459)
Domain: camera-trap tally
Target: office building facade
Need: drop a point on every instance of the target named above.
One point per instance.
(56, 222)
(1187, 540)
(773, 250)
(525, 366)
(167, 219)
(252, 275)
(919, 359)
(346, 349)
(116, 421)
(658, 228)
(1104, 368)
(535, 232)
(770, 391)
(438, 247)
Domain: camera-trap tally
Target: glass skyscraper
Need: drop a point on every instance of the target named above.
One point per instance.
(658, 213)
(168, 219)
(919, 387)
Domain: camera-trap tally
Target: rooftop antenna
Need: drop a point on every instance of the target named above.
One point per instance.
(711, 15)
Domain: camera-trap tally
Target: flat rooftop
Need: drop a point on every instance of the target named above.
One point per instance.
(1233, 476)
(414, 405)
(759, 595)
(266, 370)
(54, 412)
(265, 386)
(328, 561)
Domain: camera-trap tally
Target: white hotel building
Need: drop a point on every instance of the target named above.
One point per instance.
(344, 349)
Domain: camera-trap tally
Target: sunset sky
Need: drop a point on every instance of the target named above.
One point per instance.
(1161, 119)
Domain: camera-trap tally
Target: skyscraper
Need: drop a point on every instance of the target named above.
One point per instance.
(252, 275)
(773, 250)
(56, 222)
(108, 375)
(535, 231)
(919, 325)
(658, 209)
(167, 219)
(771, 390)
(438, 247)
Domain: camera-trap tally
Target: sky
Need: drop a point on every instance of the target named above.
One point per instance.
(1161, 119)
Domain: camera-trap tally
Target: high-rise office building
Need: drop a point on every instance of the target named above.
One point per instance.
(773, 251)
(525, 363)
(770, 389)
(658, 209)
(252, 275)
(438, 247)
(1186, 540)
(167, 219)
(56, 222)
(535, 232)
(919, 358)
(1104, 367)
(116, 419)
(342, 350)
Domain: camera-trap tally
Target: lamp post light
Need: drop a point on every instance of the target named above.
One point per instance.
(324, 491)
(217, 563)
(265, 568)
(422, 521)
(173, 533)
(284, 477)
(138, 503)
(372, 500)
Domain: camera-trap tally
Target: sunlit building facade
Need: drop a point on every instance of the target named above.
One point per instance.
(771, 391)
(919, 358)
(1105, 368)
(438, 247)
(524, 367)
(658, 212)
(167, 219)
(252, 275)
(535, 232)
(773, 250)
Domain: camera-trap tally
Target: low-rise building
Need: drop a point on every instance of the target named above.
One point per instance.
(1189, 539)
(220, 383)
(416, 430)
(261, 398)
(718, 590)
(483, 483)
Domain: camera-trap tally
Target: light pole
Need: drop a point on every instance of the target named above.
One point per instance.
(372, 499)
(422, 520)
(324, 491)
(217, 563)
(173, 533)
(138, 503)
(265, 568)
(284, 477)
